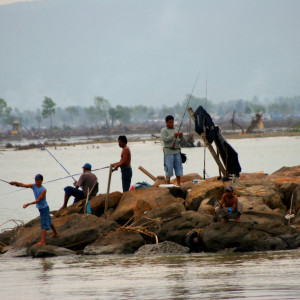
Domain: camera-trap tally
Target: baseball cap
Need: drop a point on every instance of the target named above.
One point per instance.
(229, 188)
(87, 166)
(39, 177)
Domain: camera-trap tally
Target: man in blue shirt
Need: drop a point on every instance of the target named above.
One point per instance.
(42, 205)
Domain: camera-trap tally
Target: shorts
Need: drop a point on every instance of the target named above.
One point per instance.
(173, 161)
(45, 218)
(78, 194)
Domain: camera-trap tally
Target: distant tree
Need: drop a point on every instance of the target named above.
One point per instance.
(102, 105)
(72, 112)
(3, 106)
(92, 114)
(48, 109)
(7, 116)
(114, 115)
(248, 109)
(123, 113)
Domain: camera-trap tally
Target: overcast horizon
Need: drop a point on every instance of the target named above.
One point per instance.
(147, 52)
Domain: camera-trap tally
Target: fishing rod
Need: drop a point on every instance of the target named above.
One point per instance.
(4, 181)
(173, 146)
(53, 179)
(48, 151)
(189, 101)
(204, 154)
(74, 175)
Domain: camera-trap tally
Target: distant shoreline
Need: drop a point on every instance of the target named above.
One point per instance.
(13, 144)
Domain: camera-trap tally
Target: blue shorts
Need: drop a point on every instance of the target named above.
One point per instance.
(173, 161)
(78, 194)
(45, 218)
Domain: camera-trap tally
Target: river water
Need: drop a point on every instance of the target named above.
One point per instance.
(269, 275)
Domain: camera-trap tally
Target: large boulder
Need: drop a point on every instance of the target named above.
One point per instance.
(286, 174)
(136, 202)
(265, 189)
(75, 231)
(247, 237)
(287, 189)
(97, 205)
(98, 202)
(117, 242)
(161, 248)
(296, 199)
(203, 190)
(187, 178)
(49, 251)
(176, 228)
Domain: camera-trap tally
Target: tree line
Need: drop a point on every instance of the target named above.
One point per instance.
(102, 113)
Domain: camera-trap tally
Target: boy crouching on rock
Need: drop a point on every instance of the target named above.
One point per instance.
(230, 207)
(42, 205)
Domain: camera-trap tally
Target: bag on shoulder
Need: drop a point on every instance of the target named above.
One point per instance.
(183, 157)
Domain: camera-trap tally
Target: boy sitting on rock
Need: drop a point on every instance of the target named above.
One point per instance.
(230, 207)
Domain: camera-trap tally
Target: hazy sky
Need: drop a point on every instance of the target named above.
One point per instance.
(147, 51)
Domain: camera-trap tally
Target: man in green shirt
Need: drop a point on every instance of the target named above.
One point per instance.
(171, 138)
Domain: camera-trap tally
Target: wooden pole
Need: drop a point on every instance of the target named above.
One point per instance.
(147, 173)
(209, 146)
(108, 187)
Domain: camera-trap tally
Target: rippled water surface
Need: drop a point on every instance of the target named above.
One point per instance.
(270, 275)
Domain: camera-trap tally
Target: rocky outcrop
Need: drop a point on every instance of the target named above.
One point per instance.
(136, 202)
(172, 215)
(118, 242)
(50, 251)
(161, 248)
(203, 190)
(246, 236)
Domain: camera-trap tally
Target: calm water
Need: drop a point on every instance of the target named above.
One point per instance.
(271, 275)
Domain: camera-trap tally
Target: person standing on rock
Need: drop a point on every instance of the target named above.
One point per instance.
(124, 163)
(171, 138)
(230, 207)
(87, 181)
(42, 205)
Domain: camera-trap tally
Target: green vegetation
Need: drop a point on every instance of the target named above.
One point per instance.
(102, 113)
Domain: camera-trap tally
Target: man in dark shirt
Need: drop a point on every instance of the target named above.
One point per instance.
(87, 181)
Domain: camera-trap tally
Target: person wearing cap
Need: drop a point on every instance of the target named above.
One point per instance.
(39, 192)
(230, 207)
(88, 182)
(124, 163)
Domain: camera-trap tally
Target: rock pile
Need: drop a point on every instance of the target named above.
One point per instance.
(184, 216)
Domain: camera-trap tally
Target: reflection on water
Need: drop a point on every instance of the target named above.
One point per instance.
(267, 275)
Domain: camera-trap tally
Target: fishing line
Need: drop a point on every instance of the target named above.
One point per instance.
(48, 152)
(173, 146)
(53, 180)
(73, 175)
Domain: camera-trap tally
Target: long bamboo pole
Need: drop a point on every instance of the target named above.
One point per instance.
(108, 188)
(147, 173)
(209, 146)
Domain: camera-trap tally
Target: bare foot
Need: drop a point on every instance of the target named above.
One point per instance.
(53, 235)
(40, 243)
(238, 219)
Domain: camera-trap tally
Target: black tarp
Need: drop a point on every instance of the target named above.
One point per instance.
(204, 124)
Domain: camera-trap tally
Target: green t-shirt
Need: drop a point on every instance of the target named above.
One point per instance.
(168, 138)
